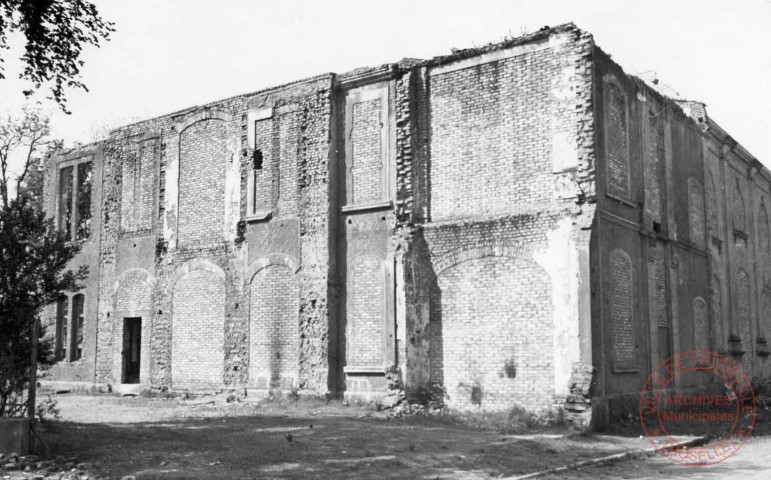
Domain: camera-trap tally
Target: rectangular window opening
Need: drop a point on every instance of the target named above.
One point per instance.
(257, 159)
(76, 341)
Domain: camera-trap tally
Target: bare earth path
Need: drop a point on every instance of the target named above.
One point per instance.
(173, 438)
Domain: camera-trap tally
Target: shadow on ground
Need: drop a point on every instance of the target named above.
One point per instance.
(180, 440)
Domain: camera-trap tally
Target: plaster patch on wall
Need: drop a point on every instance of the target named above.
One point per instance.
(560, 260)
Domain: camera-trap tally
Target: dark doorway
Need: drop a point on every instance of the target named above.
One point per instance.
(132, 343)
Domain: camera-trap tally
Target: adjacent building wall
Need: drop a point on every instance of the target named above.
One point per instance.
(678, 248)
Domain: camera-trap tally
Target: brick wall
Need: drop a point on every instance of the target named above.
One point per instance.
(138, 186)
(621, 310)
(274, 333)
(365, 312)
(367, 162)
(617, 143)
(197, 332)
(203, 157)
(134, 292)
(288, 140)
(491, 148)
(491, 334)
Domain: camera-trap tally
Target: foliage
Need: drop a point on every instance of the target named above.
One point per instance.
(55, 32)
(48, 410)
(23, 137)
(33, 262)
(33, 259)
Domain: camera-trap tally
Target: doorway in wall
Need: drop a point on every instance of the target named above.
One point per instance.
(132, 344)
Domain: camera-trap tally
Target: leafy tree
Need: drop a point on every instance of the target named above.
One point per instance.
(56, 32)
(33, 262)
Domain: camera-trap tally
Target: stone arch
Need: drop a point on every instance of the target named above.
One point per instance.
(202, 115)
(197, 326)
(473, 252)
(616, 137)
(622, 311)
(274, 322)
(196, 264)
(700, 324)
(696, 211)
(133, 293)
(490, 329)
(283, 259)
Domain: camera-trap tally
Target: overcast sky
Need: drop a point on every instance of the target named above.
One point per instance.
(171, 54)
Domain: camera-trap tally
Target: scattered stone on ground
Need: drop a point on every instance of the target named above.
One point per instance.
(30, 467)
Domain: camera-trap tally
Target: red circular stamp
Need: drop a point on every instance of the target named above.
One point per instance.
(697, 392)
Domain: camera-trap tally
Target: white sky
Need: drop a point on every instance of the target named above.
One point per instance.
(171, 54)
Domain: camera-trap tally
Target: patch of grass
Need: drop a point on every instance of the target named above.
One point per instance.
(514, 421)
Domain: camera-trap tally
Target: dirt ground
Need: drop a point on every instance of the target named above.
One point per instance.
(208, 438)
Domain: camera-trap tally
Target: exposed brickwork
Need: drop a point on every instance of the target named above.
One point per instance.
(202, 182)
(742, 307)
(653, 167)
(616, 140)
(696, 212)
(485, 273)
(712, 205)
(288, 132)
(621, 310)
(365, 312)
(505, 359)
(716, 301)
(494, 119)
(197, 332)
(701, 332)
(764, 244)
(274, 333)
(660, 313)
(134, 292)
(738, 210)
(367, 163)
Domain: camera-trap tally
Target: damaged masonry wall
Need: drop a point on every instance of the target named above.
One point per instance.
(358, 232)
(456, 227)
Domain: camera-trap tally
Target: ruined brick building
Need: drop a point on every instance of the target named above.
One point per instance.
(523, 224)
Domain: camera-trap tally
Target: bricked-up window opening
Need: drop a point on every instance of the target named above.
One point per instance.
(740, 216)
(696, 212)
(711, 204)
(764, 234)
(76, 346)
(622, 311)
(75, 201)
(701, 332)
(616, 141)
(60, 348)
(742, 309)
(716, 298)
